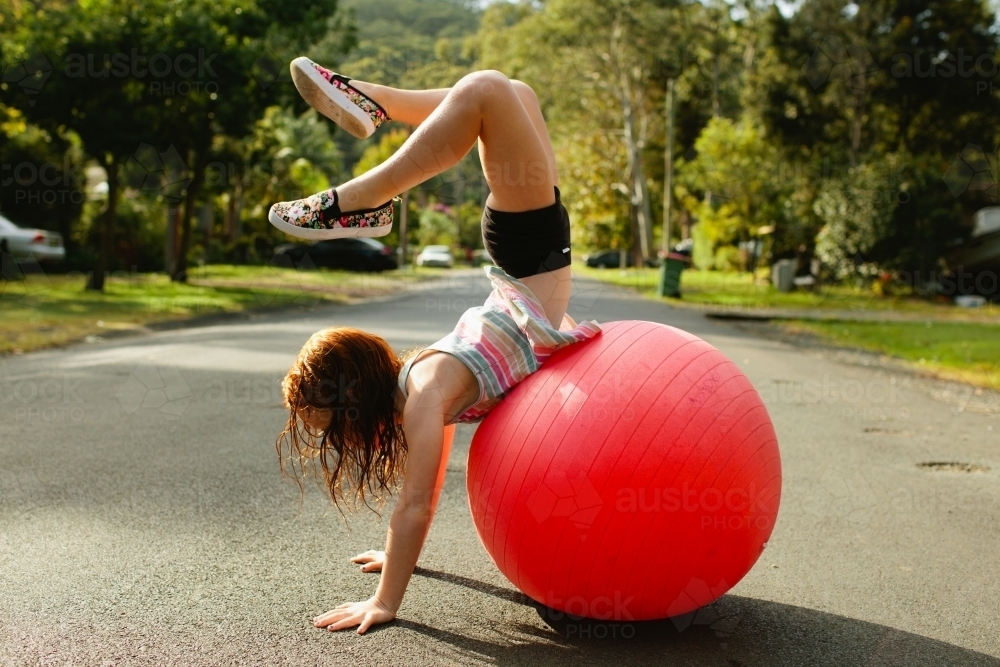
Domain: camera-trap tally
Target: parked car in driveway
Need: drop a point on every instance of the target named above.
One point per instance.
(21, 242)
(353, 254)
(436, 255)
(610, 258)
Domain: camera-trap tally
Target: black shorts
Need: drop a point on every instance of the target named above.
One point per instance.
(530, 242)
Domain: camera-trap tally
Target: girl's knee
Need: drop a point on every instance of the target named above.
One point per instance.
(524, 91)
(485, 82)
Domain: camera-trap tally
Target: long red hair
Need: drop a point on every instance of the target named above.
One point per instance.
(361, 450)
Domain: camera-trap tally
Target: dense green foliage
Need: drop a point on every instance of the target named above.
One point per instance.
(862, 134)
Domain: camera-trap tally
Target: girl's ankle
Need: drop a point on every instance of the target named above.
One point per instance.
(350, 201)
(371, 90)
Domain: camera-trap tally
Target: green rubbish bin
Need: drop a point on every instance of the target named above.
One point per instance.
(670, 274)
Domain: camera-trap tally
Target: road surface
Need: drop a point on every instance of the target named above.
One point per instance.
(143, 520)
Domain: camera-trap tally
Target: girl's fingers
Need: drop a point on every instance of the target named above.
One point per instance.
(324, 621)
(332, 615)
(367, 556)
(365, 624)
(348, 622)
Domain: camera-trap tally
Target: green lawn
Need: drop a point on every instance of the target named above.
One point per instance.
(743, 291)
(46, 310)
(961, 350)
(947, 344)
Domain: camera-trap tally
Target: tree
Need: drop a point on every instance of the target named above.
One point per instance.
(131, 86)
(742, 170)
(856, 220)
(43, 181)
(286, 156)
(600, 70)
(81, 98)
(878, 88)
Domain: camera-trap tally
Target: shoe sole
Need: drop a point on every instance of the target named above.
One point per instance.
(322, 234)
(315, 90)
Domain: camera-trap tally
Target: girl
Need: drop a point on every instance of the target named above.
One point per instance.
(370, 418)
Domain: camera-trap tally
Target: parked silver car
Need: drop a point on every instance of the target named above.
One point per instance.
(436, 255)
(21, 242)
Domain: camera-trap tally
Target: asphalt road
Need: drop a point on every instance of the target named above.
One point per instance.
(143, 520)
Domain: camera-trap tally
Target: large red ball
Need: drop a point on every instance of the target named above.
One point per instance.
(636, 476)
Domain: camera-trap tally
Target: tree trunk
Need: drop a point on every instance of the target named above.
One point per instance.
(190, 198)
(95, 281)
(639, 193)
(642, 215)
(635, 249)
(170, 243)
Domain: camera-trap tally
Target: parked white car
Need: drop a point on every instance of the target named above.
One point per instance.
(21, 242)
(436, 255)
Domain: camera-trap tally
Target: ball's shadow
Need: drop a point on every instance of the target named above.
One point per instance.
(734, 631)
(707, 619)
(714, 618)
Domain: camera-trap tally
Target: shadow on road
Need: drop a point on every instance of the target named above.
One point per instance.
(735, 631)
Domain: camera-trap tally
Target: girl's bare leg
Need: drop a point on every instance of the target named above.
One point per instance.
(412, 107)
(514, 149)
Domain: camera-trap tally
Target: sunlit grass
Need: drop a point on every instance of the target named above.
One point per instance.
(46, 310)
(743, 291)
(961, 350)
(947, 341)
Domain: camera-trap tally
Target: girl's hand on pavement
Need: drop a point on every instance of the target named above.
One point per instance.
(362, 614)
(373, 560)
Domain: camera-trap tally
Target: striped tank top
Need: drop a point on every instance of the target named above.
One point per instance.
(502, 342)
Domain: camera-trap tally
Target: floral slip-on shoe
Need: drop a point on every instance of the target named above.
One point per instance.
(332, 95)
(318, 217)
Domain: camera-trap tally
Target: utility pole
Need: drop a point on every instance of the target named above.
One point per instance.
(404, 206)
(670, 268)
(668, 183)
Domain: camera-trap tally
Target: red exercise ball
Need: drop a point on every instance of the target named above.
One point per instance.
(635, 476)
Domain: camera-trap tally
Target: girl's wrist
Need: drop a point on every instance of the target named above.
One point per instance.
(389, 609)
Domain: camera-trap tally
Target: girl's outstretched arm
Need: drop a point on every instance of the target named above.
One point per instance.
(428, 448)
(373, 560)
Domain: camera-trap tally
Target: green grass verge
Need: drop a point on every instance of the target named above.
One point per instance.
(965, 351)
(742, 291)
(947, 344)
(48, 310)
